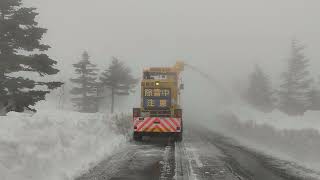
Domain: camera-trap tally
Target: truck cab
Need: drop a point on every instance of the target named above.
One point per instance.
(160, 112)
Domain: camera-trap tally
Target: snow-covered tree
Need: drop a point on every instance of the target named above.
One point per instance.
(293, 93)
(118, 79)
(259, 93)
(86, 89)
(22, 51)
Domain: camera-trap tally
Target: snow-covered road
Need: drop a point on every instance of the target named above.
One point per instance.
(202, 155)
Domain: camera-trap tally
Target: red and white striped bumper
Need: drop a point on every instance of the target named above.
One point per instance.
(157, 124)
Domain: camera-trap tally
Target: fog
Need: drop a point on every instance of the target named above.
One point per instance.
(223, 38)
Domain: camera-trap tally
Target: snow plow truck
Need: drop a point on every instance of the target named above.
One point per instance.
(160, 112)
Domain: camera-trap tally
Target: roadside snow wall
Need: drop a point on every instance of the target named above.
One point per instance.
(53, 145)
(290, 138)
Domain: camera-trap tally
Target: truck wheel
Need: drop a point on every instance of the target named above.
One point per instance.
(137, 137)
(179, 137)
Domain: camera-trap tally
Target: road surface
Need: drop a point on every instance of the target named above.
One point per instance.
(202, 155)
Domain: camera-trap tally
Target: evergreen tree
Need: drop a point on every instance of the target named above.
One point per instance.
(118, 79)
(294, 90)
(259, 93)
(314, 98)
(86, 90)
(20, 38)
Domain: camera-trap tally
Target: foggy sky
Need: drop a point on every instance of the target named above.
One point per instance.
(214, 31)
(224, 37)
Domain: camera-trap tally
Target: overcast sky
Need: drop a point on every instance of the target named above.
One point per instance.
(224, 37)
(222, 32)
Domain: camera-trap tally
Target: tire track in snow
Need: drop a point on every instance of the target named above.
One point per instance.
(167, 165)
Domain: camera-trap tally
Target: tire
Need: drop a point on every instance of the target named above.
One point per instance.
(137, 137)
(179, 137)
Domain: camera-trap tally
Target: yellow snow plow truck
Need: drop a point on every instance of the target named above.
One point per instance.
(160, 113)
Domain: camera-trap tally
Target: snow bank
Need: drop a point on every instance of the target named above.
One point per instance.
(277, 119)
(53, 145)
(290, 138)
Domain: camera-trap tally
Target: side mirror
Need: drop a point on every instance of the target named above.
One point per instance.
(181, 86)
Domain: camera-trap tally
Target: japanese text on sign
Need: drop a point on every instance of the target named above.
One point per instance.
(157, 98)
(157, 92)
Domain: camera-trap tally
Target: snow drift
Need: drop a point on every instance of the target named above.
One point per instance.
(53, 145)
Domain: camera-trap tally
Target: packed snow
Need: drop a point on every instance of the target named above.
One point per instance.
(53, 144)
